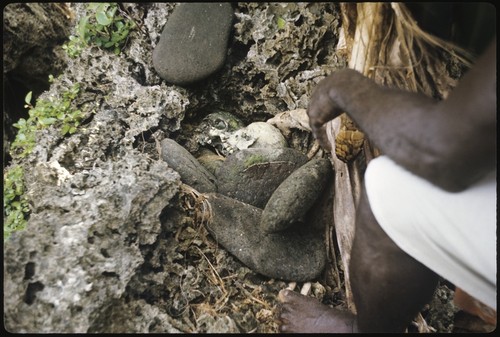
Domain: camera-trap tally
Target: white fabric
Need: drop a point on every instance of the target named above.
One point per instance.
(453, 234)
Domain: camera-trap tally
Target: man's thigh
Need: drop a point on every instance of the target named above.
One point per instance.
(453, 234)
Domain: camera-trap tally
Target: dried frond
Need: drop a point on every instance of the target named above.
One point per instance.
(386, 44)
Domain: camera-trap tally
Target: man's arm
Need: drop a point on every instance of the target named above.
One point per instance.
(451, 143)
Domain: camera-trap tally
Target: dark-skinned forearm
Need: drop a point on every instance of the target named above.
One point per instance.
(440, 141)
(399, 123)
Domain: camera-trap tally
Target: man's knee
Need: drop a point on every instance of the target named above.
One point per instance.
(369, 235)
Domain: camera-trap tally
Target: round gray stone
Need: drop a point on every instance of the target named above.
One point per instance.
(193, 44)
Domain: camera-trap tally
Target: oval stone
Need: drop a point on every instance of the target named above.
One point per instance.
(191, 171)
(295, 195)
(193, 44)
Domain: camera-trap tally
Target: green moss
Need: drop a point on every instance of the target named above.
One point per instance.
(255, 159)
(234, 124)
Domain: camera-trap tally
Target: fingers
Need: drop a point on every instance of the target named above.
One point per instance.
(321, 110)
(322, 138)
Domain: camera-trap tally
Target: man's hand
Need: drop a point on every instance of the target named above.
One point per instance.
(321, 110)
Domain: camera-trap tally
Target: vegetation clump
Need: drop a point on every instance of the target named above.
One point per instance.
(105, 29)
(15, 204)
(57, 112)
(46, 112)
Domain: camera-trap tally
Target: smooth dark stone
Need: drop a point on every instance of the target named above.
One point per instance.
(252, 175)
(194, 41)
(191, 171)
(296, 195)
(296, 254)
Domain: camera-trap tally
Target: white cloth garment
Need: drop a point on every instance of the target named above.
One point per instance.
(453, 234)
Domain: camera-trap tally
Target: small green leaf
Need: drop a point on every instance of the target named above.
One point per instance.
(104, 39)
(19, 189)
(111, 12)
(93, 6)
(281, 22)
(103, 7)
(27, 99)
(47, 120)
(82, 27)
(103, 19)
(65, 129)
(20, 123)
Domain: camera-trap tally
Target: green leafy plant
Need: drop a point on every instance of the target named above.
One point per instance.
(57, 112)
(105, 29)
(15, 204)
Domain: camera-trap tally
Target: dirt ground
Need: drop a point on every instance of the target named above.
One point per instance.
(211, 291)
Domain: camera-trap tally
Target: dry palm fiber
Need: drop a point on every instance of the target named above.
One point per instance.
(383, 41)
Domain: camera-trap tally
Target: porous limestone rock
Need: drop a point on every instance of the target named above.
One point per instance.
(81, 247)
